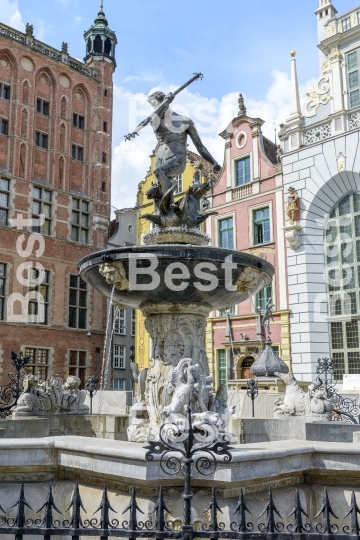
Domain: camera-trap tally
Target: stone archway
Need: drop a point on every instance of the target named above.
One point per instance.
(306, 265)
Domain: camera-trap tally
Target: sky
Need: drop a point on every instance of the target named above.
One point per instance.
(239, 47)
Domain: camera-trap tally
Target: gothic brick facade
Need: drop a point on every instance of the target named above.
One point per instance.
(55, 168)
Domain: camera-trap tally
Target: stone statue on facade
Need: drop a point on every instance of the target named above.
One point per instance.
(293, 205)
(311, 405)
(51, 397)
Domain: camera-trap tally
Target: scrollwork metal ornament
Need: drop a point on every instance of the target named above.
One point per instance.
(10, 393)
(345, 409)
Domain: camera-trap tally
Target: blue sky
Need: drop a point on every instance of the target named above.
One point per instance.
(239, 46)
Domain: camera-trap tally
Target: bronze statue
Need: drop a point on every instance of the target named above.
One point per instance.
(172, 131)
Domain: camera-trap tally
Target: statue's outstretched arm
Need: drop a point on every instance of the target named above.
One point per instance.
(203, 151)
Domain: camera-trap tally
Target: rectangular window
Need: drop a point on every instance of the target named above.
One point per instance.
(352, 64)
(178, 182)
(77, 152)
(42, 106)
(230, 311)
(242, 171)
(38, 308)
(346, 24)
(4, 91)
(78, 121)
(119, 357)
(261, 224)
(77, 302)
(77, 366)
(221, 359)
(4, 126)
(226, 233)
(262, 298)
(120, 322)
(119, 384)
(4, 201)
(80, 221)
(39, 363)
(133, 322)
(105, 127)
(2, 290)
(41, 139)
(41, 206)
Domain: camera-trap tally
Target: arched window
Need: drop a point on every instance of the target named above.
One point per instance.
(108, 46)
(103, 187)
(89, 45)
(104, 157)
(342, 252)
(98, 44)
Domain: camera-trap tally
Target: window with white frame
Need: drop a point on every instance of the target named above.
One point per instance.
(261, 225)
(41, 205)
(133, 322)
(119, 384)
(242, 171)
(178, 182)
(39, 362)
(226, 233)
(119, 357)
(80, 221)
(4, 201)
(230, 311)
(353, 77)
(120, 322)
(38, 308)
(346, 24)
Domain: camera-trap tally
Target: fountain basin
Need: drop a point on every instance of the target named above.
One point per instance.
(178, 274)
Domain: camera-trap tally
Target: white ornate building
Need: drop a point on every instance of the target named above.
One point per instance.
(321, 160)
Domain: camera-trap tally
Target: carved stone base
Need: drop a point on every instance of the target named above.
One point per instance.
(176, 235)
(178, 374)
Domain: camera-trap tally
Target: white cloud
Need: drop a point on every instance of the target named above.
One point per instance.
(11, 15)
(131, 159)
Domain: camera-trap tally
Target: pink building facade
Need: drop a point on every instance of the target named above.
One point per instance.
(250, 206)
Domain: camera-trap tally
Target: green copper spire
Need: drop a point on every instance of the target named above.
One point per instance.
(100, 40)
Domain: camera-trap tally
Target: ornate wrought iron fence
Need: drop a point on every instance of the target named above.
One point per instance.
(345, 409)
(181, 446)
(9, 394)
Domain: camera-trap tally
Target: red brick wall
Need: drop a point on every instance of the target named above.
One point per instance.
(33, 75)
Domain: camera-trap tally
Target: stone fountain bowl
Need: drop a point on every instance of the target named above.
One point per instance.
(224, 287)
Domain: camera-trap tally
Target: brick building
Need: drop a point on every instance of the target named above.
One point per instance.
(55, 170)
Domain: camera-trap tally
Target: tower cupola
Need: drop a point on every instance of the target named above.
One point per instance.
(100, 40)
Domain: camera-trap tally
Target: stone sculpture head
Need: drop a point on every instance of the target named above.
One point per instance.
(287, 378)
(30, 381)
(156, 98)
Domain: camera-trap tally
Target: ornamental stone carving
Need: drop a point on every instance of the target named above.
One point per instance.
(293, 205)
(248, 279)
(114, 273)
(317, 96)
(51, 397)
